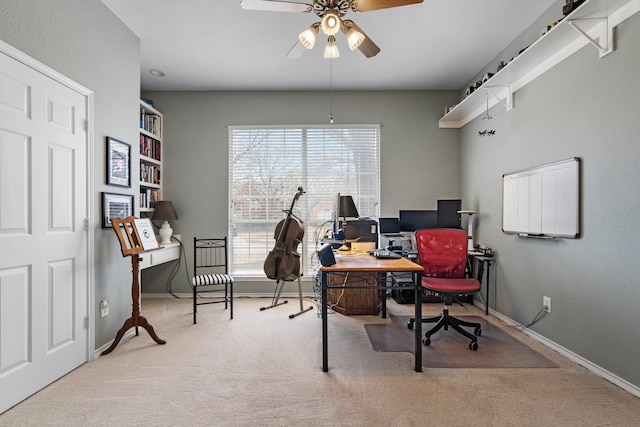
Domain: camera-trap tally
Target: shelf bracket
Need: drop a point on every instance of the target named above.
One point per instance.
(604, 40)
(508, 101)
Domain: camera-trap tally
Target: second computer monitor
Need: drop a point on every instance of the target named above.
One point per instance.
(448, 216)
(412, 220)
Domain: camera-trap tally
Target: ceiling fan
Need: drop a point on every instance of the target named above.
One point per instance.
(331, 13)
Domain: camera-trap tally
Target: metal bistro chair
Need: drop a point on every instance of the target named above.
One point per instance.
(211, 273)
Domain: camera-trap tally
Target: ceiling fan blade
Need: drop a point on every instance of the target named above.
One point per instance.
(275, 5)
(369, 5)
(367, 47)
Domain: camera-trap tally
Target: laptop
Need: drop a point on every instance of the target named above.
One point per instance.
(390, 228)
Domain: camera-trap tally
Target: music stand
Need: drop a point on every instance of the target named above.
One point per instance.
(132, 244)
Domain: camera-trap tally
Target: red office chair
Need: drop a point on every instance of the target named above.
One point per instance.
(443, 254)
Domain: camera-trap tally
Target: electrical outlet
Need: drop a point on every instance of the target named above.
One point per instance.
(104, 308)
(546, 302)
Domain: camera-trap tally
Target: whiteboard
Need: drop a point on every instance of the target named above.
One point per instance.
(543, 201)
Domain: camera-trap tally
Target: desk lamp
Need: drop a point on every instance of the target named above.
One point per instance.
(165, 211)
(346, 209)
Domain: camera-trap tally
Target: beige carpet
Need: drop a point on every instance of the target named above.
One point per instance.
(264, 369)
(449, 349)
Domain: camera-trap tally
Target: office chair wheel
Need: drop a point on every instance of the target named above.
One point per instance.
(473, 345)
(426, 341)
(410, 323)
(477, 331)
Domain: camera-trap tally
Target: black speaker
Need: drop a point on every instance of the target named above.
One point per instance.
(399, 293)
(325, 253)
(403, 293)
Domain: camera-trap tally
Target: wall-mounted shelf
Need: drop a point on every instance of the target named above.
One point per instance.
(592, 22)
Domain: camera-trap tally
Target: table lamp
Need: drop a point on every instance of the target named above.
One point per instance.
(346, 209)
(165, 211)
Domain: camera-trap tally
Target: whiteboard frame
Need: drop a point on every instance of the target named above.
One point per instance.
(543, 201)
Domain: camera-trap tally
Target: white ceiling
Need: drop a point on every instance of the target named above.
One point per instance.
(217, 45)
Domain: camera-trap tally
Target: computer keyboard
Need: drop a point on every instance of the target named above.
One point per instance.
(385, 253)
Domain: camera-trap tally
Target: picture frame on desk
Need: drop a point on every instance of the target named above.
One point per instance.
(118, 163)
(115, 206)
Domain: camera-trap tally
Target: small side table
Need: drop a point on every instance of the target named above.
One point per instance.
(482, 260)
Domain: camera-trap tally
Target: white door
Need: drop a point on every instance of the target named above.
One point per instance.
(43, 242)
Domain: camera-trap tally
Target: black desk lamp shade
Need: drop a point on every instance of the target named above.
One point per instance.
(347, 208)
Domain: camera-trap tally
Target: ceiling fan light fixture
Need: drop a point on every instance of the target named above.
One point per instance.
(354, 37)
(331, 22)
(308, 37)
(331, 49)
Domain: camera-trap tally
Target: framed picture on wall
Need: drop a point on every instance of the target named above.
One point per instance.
(118, 163)
(115, 206)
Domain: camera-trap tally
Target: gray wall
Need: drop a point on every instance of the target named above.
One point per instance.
(419, 162)
(83, 40)
(586, 107)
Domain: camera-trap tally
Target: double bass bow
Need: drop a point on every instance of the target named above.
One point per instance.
(283, 262)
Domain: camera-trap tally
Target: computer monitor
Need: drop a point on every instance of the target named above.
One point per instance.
(412, 220)
(389, 225)
(448, 216)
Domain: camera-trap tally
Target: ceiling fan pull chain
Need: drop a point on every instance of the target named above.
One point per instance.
(331, 90)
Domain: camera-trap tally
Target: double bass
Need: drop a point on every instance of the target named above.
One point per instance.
(283, 262)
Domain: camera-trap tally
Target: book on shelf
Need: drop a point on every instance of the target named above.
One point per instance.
(151, 123)
(149, 197)
(150, 147)
(149, 174)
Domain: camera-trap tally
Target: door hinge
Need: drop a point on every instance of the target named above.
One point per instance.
(86, 322)
(85, 123)
(86, 224)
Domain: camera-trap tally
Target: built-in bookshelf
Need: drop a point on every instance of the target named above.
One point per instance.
(151, 123)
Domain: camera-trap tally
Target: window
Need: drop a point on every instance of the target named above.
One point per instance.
(268, 164)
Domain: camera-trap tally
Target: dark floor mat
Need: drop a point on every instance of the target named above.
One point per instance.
(449, 349)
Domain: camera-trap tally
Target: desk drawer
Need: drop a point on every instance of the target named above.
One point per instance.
(165, 255)
(153, 258)
(145, 261)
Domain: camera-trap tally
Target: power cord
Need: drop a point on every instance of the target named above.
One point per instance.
(537, 317)
(176, 267)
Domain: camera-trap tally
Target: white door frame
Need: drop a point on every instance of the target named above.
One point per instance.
(54, 75)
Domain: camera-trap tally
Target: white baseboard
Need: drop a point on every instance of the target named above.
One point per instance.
(576, 358)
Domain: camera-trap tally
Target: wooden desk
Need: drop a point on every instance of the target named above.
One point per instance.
(368, 264)
(166, 253)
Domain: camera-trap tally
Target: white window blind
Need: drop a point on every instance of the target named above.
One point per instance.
(267, 165)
